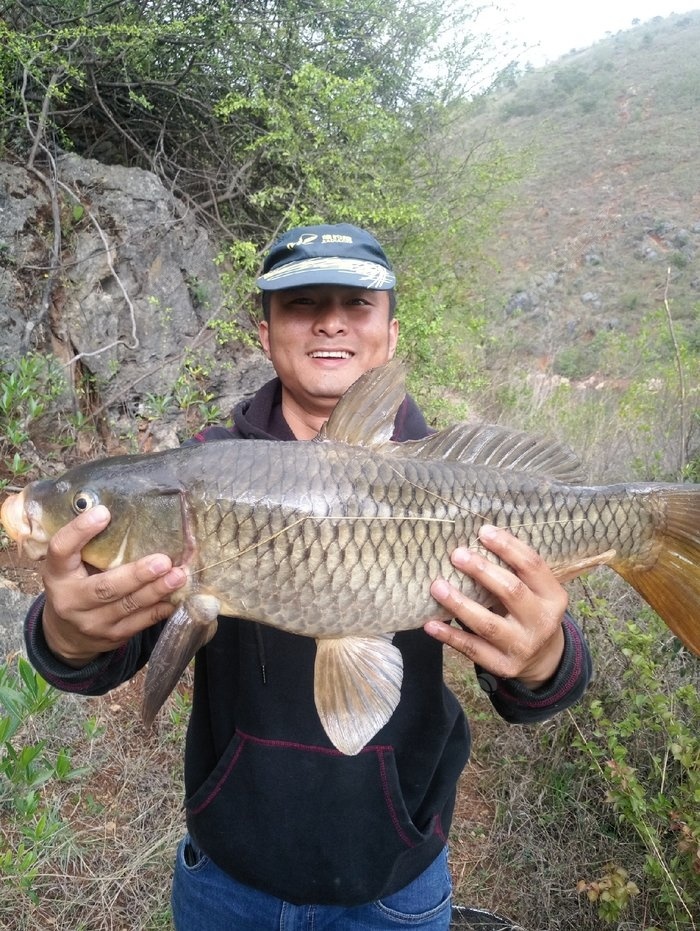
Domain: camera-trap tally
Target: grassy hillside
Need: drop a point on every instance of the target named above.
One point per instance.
(589, 288)
(610, 202)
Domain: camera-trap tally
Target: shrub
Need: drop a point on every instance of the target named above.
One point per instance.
(27, 388)
(32, 828)
(642, 746)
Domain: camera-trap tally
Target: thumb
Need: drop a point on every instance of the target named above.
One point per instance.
(63, 555)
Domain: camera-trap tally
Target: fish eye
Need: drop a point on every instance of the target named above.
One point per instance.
(83, 501)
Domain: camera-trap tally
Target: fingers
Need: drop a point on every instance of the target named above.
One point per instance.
(85, 616)
(484, 637)
(145, 581)
(525, 573)
(527, 642)
(66, 544)
(90, 613)
(111, 596)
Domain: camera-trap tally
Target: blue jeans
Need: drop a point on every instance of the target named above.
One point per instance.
(205, 898)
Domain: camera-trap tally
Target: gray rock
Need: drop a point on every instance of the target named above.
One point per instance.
(137, 288)
(13, 608)
(25, 225)
(681, 238)
(646, 254)
(128, 303)
(521, 302)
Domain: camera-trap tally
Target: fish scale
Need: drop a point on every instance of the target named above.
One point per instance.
(340, 538)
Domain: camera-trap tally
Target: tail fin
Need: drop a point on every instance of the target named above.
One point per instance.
(672, 585)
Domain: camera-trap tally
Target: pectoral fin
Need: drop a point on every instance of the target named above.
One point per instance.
(357, 687)
(192, 624)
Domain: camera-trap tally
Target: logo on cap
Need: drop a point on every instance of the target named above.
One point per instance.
(303, 240)
(335, 237)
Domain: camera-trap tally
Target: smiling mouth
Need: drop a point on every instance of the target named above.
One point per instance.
(331, 354)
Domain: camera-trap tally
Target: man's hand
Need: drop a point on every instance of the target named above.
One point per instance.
(526, 643)
(88, 613)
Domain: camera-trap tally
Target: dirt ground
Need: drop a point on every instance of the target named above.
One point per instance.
(19, 572)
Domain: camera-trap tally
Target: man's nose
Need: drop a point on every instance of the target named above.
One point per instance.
(331, 318)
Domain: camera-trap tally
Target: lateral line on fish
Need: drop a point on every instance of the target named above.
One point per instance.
(369, 517)
(301, 520)
(434, 494)
(253, 546)
(475, 514)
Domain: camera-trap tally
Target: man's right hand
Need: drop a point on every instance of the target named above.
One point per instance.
(88, 612)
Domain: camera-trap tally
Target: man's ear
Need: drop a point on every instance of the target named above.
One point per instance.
(264, 336)
(393, 336)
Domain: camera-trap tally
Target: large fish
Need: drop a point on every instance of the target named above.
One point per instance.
(339, 538)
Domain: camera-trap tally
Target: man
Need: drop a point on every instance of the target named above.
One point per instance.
(284, 831)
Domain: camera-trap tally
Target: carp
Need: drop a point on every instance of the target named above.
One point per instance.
(340, 537)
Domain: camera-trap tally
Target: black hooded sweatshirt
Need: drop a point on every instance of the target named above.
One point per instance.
(268, 797)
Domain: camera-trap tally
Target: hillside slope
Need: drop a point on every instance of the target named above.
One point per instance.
(608, 213)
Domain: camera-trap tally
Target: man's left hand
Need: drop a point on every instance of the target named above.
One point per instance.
(527, 641)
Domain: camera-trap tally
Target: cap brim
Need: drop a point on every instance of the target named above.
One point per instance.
(350, 272)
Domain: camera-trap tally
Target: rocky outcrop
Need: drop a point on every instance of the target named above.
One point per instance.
(103, 267)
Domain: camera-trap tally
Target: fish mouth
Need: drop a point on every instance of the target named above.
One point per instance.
(22, 522)
(340, 354)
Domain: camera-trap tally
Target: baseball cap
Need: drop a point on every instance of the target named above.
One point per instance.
(328, 254)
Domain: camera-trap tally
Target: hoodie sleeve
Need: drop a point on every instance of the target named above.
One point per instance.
(100, 675)
(518, 704)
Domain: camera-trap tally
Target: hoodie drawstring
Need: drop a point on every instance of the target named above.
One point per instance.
(261, 652)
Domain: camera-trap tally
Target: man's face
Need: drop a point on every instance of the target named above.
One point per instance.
(321, 338)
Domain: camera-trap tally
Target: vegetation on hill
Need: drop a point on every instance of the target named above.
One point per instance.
(590, 284)
(610, 200)
(264, 115)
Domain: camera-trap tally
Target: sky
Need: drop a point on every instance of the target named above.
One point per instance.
(551, 28)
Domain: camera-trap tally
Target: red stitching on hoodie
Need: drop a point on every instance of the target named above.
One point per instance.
(220, 784)
(389, 801)
(306, 748)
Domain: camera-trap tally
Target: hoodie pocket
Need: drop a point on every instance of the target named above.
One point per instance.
(309, 824)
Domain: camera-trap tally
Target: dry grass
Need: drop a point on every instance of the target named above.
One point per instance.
(110, 870)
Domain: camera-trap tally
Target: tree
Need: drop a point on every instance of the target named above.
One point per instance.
(262, 113)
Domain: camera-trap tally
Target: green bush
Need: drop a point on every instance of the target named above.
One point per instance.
(32, 828)
(27, 388)
(641, 742)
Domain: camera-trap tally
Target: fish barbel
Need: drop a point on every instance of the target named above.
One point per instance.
(340, 538)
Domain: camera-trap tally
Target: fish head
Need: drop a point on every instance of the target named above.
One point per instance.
(146, 515)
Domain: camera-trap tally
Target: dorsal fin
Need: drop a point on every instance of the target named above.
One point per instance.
(365, 414)
(500, 447)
